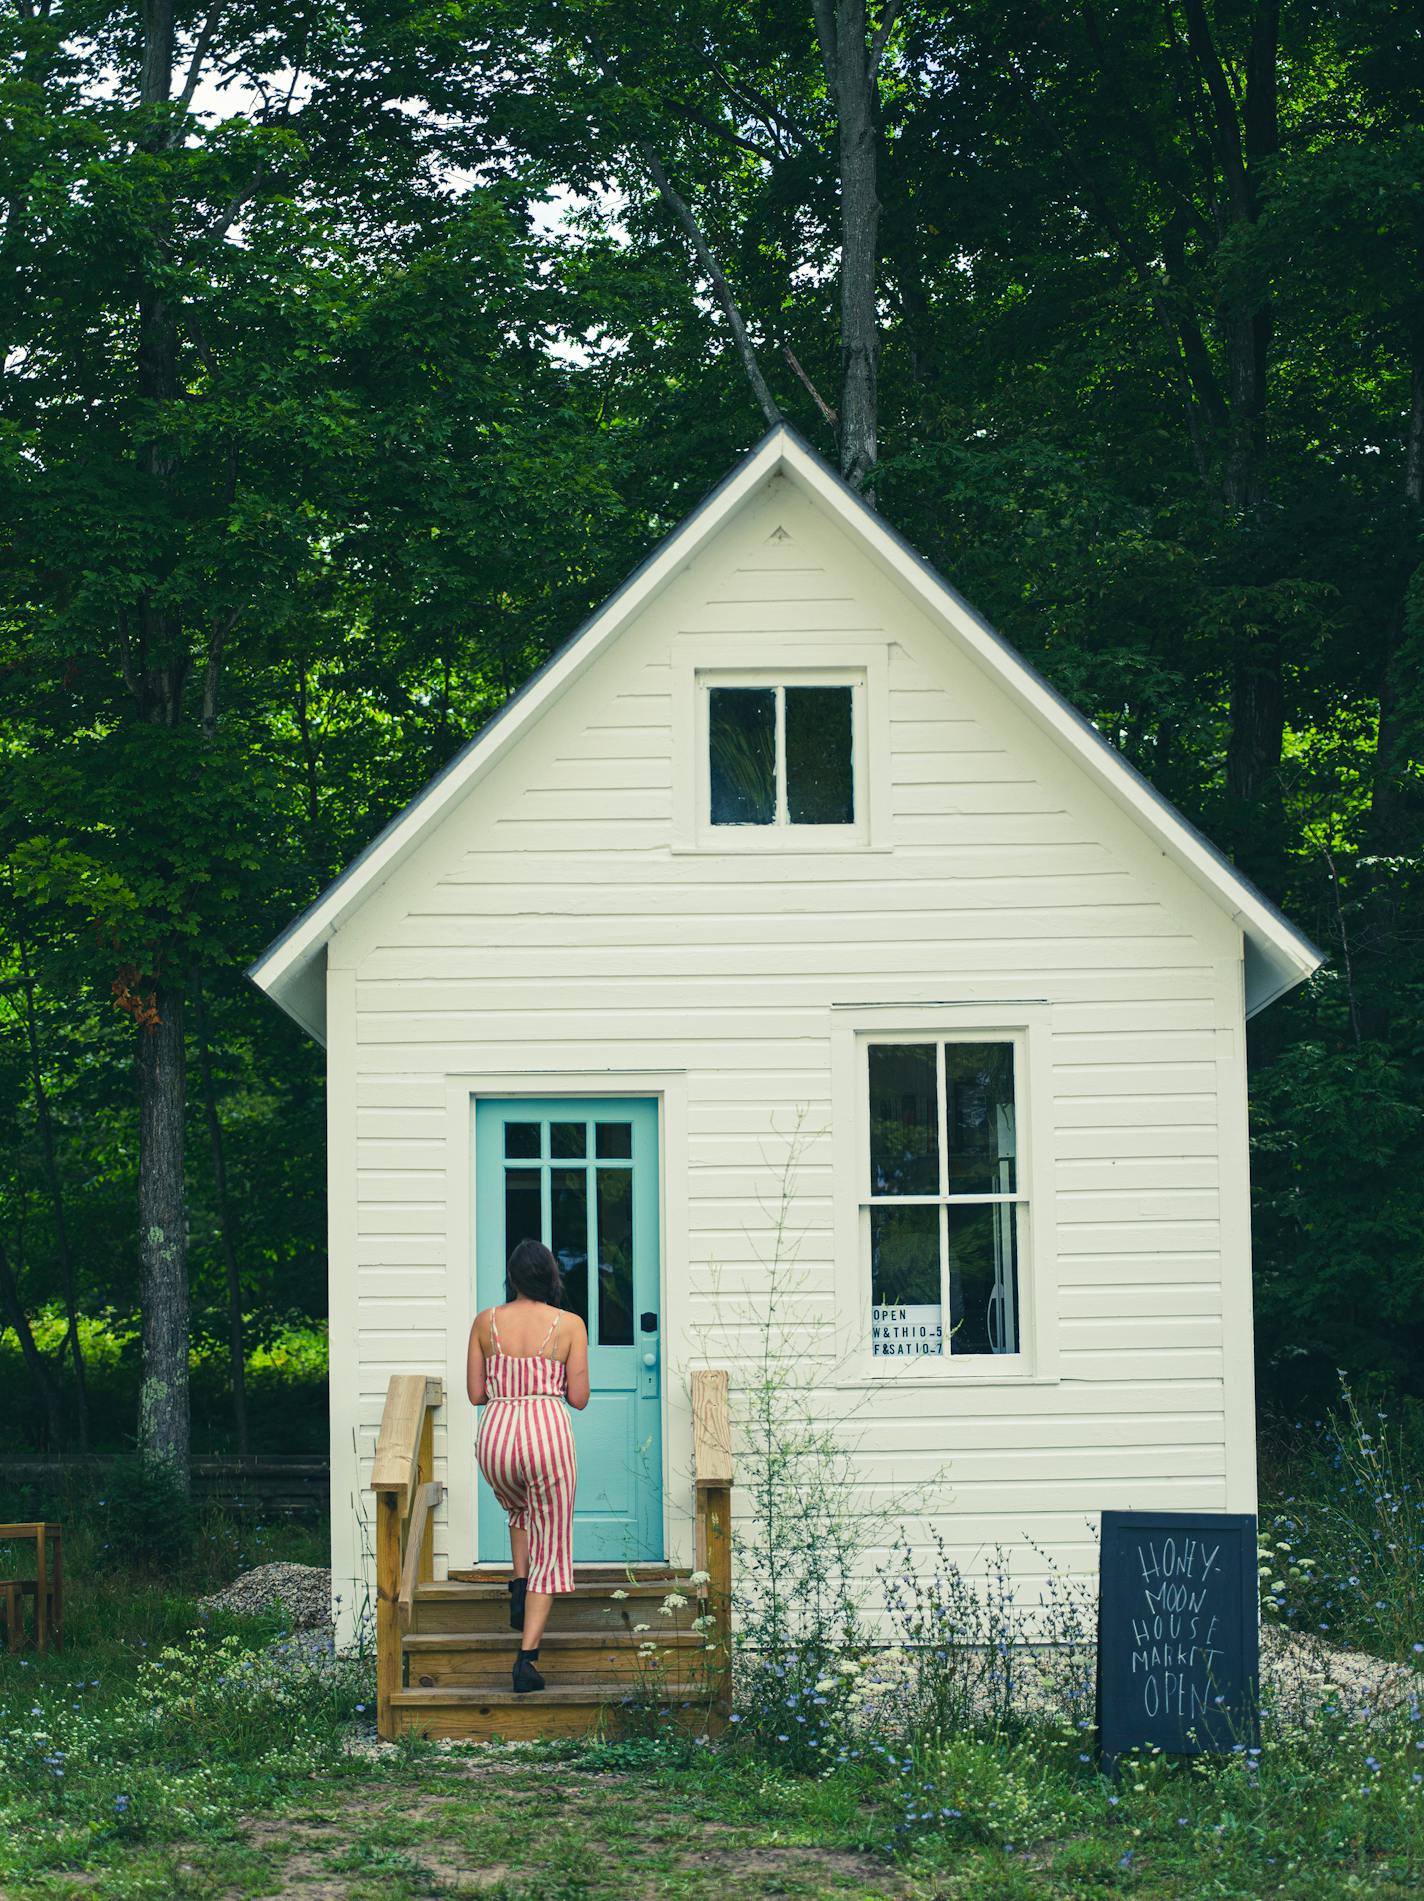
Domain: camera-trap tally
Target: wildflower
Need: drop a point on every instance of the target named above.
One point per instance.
(619, 1594)
(700, 1577)
(674, 1601)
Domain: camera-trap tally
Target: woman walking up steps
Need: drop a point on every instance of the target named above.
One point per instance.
(528, 1362)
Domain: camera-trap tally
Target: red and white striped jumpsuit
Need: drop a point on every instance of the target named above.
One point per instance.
(525, 1449)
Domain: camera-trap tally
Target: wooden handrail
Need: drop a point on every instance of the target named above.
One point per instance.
(403, 1479)
(712, 1498)
(427, 1497)
(410, 1398)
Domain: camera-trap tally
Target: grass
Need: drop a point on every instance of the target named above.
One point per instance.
(163, 1756)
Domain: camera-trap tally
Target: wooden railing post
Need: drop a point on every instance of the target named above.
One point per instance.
(712, 1475)
(401, 1474)
(388, 1574)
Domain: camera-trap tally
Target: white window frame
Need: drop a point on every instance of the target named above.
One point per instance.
(1025, 1026)
(829, 661)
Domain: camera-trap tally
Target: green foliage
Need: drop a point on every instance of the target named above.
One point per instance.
(145, 1520)
(443, 369)
(1343, 1528)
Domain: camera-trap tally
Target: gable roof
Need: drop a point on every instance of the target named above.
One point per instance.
(292, 970)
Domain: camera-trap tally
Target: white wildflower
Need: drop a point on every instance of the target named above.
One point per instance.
(619, 1594)
(700, 1577)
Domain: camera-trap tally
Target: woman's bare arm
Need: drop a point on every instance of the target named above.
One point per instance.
(475, 1366)
(577, 1364)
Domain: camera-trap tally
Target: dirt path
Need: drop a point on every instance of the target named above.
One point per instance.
(505, 1831)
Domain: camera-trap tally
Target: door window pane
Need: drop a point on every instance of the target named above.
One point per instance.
(568, 1138)
(904, 1119)
(615, 1257)
(523, 1218)
(983, 1278)
(568, 1222)
(614, 1141)
(906, 1315)
(979, 1087)
(521, 1139)
(820, 781)
(742, 755)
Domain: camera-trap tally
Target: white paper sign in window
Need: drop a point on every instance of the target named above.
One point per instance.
(907, 1332)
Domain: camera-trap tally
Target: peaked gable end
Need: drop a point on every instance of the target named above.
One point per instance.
(292, 969)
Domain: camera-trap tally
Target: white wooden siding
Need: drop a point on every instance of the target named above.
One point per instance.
(551, 928)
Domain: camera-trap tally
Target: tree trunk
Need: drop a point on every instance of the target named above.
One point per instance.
(163, 1233)
(1392, 743)
(61, 1226)
(851, 75)
(226, 1218)
(13, 1309)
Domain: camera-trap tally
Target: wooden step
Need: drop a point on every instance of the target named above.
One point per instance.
(560, 1710)
(454, 1606)
(583, 1573)
(484, 1659)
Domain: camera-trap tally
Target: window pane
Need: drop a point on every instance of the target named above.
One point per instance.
(614, 1140)
(521, 1139)
(904, 1119)
(742, 748)
(567, 1138)
(906, 1316)
(979, 1082)
(568, 1211)
(983, 1278)
(523, 1219)
(615, 1257)
(820, 781)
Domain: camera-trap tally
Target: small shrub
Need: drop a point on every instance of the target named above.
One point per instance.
(1342, 1552)
(144, 1520)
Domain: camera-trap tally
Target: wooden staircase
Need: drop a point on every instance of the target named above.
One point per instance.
(445, 1651)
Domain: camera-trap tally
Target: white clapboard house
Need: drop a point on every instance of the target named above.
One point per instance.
(787, 850)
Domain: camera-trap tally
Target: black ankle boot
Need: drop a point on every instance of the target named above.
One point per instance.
(517, 1588)
(526, 1677)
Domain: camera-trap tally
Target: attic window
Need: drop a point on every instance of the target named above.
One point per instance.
(782, 753)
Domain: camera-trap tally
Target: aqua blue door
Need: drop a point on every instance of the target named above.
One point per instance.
(581, 1175)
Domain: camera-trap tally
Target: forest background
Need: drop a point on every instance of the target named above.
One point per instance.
(354, 351)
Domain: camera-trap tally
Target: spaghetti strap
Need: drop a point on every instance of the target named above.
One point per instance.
(553, 1329)
(494, 1332)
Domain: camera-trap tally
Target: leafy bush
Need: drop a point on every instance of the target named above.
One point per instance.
(144, 1521)
(1342, 1547)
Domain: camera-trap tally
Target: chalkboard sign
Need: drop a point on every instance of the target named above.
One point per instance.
(1178, 1636)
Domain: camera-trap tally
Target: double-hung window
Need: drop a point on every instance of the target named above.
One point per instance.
(943, 1202)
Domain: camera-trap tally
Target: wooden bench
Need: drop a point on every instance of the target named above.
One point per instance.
(45, 1588)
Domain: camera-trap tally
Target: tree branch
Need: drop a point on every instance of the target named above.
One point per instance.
(883, 31)
(717, 278)
(1228, 126)
(827, 413)
(200, 53)
(706, 257)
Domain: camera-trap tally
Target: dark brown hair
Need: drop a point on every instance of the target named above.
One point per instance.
(533, 1272)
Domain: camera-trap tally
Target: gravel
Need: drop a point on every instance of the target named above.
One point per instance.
(300, 1592)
